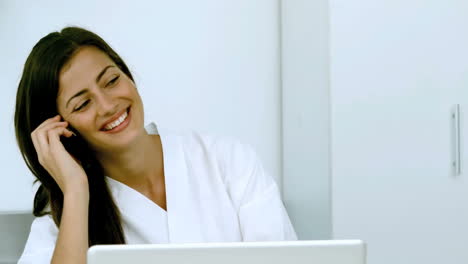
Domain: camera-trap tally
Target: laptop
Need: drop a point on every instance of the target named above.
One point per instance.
(289, 252)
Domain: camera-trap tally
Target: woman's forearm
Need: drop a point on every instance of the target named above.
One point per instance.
(72, 241)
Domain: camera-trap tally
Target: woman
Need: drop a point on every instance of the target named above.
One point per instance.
(105, 178)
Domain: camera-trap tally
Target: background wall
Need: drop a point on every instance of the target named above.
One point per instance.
(207, 65)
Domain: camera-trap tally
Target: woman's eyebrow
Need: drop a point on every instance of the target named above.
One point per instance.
(98, 78)
(76, 95)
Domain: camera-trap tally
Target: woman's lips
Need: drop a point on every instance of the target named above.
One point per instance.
(113, 119)
(122, 125)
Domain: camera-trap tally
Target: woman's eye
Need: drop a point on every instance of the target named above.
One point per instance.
(82, 105)
(113, 80)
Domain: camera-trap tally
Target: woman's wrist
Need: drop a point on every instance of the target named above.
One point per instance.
(76, 194)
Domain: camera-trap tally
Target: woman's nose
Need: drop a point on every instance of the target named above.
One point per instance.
(105, 105)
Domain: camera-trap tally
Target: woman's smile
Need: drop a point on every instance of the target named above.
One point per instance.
(118, 124)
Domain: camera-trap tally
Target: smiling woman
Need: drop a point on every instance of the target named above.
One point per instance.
(54, 71)
(103, 177)
(93, 105)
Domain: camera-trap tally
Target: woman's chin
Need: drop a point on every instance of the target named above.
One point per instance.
(121, 143)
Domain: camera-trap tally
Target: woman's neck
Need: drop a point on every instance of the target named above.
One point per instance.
(140, 166)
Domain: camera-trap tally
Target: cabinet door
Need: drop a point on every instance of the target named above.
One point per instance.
(397, 69)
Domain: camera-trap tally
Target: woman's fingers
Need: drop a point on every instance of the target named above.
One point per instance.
(49, 126)
(48, 121)
(49, 143)
(54, 157)
(40, 138)
(54, 137)
(51, 129)
(36, 144)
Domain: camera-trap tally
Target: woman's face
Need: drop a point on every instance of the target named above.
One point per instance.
(99, 101)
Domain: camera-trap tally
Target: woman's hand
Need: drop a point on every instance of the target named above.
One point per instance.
(64, 168)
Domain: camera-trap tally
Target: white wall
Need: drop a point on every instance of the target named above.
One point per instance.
(206, 65)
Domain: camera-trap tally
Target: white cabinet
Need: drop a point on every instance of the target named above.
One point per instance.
(305, 116)
(397, 69)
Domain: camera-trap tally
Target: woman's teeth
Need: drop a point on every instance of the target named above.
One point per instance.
(116, 122)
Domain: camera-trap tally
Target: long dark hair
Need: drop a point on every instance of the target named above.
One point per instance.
(36, 102)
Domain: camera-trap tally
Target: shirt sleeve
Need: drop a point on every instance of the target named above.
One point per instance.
(262, 215)
(41, 241)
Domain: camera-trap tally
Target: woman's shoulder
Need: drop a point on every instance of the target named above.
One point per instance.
(234, 158)
(41, 240)
(215, 143)
(44, 224)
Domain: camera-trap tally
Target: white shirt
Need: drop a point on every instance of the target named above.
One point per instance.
(216, 191)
